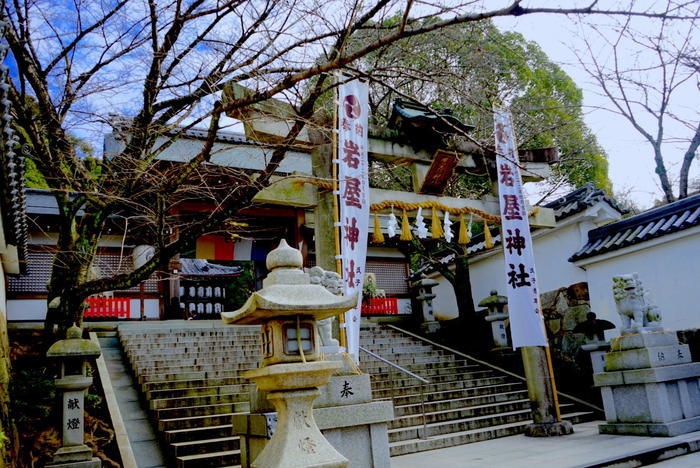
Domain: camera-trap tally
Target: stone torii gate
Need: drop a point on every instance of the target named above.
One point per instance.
(417, 144)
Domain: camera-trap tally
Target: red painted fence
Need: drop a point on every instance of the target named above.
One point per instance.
(380, 306)
(108, 307)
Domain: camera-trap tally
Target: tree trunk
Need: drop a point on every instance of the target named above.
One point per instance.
(463, 289)
(75, 251)
(663, 174)
(64, 302)
(468, 331)
(688, 158)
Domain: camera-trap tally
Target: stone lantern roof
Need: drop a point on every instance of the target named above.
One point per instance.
(287, 291)
(74, 346)
(494, 300)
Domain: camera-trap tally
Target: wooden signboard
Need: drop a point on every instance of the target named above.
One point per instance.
(441, 169)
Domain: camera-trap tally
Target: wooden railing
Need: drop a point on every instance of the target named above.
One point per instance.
(108, 307)
(380, 306)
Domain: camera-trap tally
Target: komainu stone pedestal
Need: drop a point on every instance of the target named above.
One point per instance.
(649, 386)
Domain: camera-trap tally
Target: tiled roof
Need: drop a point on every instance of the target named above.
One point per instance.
(570, 204)
(200, 267)
(410, 116)
(580, 199)
(651, 224)
(12, 201)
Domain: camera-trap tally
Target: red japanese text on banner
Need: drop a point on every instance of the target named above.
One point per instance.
(353, 187)
(525, 313)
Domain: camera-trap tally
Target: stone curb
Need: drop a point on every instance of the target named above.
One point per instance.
(125, 450)
(649, 456)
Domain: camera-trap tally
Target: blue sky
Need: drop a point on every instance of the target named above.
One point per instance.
(629, 154)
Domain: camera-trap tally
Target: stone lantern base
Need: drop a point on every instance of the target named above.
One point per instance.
(76, 456)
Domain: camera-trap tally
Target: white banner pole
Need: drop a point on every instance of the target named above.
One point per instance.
(524, 311)
(353, 178)
(526, 321)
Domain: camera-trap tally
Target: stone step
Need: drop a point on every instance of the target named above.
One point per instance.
(203, 410)
(212, 351)
(388, 343)
(407, 353)
(414, 365)
(197, 447)
(437, 387)
(198, 433)
(199, 400)
(428, 373)
(196, 361)
(187, 341)
(460, 425)
(447, 427)
(147, 342)
(405, 447)
(195, 391)
(457, 403)
(164, 333)
(407, 380)
(194, 422)
(228, 457)
(453, 414)
(165, 372)
(415, 398)
(179, 379)
(391, 351)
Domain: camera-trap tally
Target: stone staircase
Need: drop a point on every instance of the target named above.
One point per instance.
(464, 401)
(189, 378)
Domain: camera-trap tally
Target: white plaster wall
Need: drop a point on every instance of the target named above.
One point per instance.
(151, 309)
(670, 272)
(26, 309)
(552, 251)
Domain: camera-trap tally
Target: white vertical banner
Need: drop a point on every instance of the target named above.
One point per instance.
(525, 313)
(353, 185)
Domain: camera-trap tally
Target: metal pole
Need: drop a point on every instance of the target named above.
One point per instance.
(422, 407)
(342, 333)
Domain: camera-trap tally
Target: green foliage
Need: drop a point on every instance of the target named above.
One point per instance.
(32, 175)
(240, 287)
(369, 290)
(93, 401)
(32, 393)
(472, 67)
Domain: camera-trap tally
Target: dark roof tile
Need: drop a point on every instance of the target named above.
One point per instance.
(651, 224)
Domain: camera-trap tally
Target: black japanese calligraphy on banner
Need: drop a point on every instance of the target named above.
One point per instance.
(353, 195)
(526, 321)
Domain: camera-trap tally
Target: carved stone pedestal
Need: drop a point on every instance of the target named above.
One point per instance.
(649, 386)
(598, 349)
(355, 425)
(303, 444)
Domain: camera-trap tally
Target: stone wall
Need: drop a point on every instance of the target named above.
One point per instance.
(691, 337)
(563, 309)
(4, 373)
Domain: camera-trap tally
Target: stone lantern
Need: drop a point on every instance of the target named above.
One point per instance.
(287, 308)
(74, 353)
(497, 316)
(424, 295)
